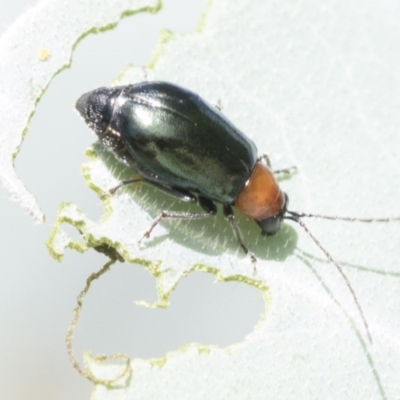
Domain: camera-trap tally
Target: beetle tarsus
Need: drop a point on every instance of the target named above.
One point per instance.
(144, 72)
(218, 106)
(122, 184)
(253, 260)
(287, 171)
(264, 157)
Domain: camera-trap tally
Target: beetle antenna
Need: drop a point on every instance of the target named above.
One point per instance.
(350, 219)
(296, 217)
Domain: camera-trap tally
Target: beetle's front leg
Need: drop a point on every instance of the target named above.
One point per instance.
(288, 171)
(229, 215)
(265, 158)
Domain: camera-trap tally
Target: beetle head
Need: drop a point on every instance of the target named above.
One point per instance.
(96, 108)
(271, 225)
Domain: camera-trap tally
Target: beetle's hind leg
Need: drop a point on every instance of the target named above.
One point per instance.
(207, 205)
(124, 183)
(229, 215)
(180, 194)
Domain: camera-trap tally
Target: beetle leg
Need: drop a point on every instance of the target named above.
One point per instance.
(144, 72)
(180, 194)
(124, 183)
(218, 106)
(228, 212)
(265, 158)
(209, 207)
(289, 171)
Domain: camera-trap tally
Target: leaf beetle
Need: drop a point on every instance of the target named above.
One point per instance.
(169, 134)
(182, 145)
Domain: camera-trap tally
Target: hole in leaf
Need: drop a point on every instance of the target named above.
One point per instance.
(201, 310)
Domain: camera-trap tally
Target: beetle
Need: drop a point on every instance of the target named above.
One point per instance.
(182, 145)
(169, 134)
